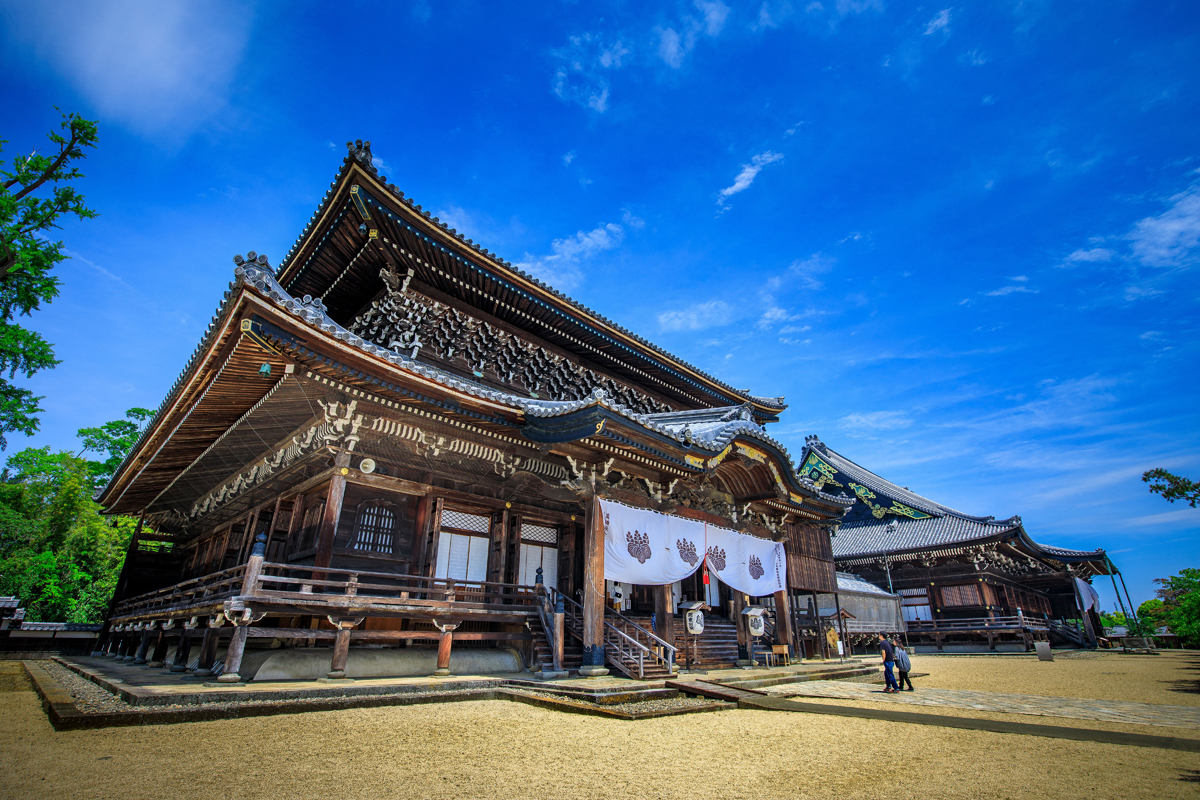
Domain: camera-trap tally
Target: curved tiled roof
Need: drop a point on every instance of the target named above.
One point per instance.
(852, 583)
(361, 155)
(868, 536)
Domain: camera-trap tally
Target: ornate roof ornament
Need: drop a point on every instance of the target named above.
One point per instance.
(360, 151)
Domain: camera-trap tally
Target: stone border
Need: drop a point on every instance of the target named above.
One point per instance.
(60, 708)
(971, 723)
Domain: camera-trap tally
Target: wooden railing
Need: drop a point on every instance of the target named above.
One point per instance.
(195, 592)
(978, 623)
(628, 645)
(330, 587)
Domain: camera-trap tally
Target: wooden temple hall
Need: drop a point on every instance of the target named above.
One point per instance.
(963, 581)
(398, 454)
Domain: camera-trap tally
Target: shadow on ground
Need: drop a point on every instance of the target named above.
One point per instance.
(1188, 686)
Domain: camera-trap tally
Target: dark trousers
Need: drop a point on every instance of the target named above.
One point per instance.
(904, 679)
(888, 676)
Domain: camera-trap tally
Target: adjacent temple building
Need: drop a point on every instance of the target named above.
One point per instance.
(390, 453)
(961, 579)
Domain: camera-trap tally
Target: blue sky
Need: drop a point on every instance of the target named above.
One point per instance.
(961, 240)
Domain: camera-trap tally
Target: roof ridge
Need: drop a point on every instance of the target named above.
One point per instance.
(360, 153)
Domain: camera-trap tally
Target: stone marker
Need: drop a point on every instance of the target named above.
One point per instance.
(1043, 651)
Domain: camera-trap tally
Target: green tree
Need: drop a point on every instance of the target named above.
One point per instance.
(1172, 487)
(58, 553)
(1180, 610)
(34, 194)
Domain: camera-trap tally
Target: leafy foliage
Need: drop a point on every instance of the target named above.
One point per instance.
(57, 552)
(1177, 606)
(34, 194)
(1173, 487)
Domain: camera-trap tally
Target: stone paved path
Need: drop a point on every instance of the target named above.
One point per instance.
(1076, 708)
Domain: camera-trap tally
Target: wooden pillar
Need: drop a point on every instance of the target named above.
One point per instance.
(739, 619)
(233, 657)
(237, 642)
(444, 644)
(208, 648)
(435, 536)
(593, 592)
(341, 646)
(248, 536)
(498, 553)
(160, 648)
(183, 653)
(141, 652)
(783, 620)
(333, 511)
(664, 626)
(560, 633)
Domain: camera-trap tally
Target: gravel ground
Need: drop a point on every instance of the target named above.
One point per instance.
(508, 750)
(1169, 678)
(89, 698)
(632, 707)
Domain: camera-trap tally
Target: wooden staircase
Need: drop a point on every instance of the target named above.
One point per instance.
(543, 656)
(716, 648)
(629, 647)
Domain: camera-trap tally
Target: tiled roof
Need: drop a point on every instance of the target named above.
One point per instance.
(944, 526)
(361, 154)
(852, 583)
(867, 537)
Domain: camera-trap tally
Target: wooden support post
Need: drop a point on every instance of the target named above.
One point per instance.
(237, 642)
(560, 633)
(444, 644)
(743, 637)
(783, 620)
(160, 648)
(435, 536)
(498, 552)
(664, 626)
(593, 592)
(341, 646)
(333, 511)
(208, 648)
(145, 645)
(183, 653)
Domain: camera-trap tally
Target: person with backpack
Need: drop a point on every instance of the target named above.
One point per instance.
(888, 652)
(903, 666)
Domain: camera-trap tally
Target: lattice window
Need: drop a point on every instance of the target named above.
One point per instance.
(375, 527)
(965, 595)
(461, 521)
(539, 533)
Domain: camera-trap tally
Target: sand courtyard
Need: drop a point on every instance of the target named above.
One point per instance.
(503, 749)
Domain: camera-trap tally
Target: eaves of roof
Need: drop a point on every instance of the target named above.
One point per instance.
(503, 270)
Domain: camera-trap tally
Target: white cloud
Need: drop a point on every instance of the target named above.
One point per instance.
(989, 100)
(671, 48)
(1091, 255)
(809, 268)
(846, 7)
(747, 175)
(696, 318)
(1152, 336)
(583, 64)
(561, 269)
(1020, 278)
(381, 165)
(568, 158)
(876, 420)
(715, 13)
(940, 22)
(674, 45)
(786, 329)
(1004, 290)
(633, 221)
(160, 69)
(975, 57)
(1171, 238)
(459, 219)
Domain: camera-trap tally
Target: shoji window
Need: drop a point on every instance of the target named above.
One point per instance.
(463, 546)
(539, 548)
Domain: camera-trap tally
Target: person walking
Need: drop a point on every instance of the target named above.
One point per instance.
(903, 666)
(888, 652)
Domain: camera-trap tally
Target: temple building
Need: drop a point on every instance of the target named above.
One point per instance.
(397, 452)
(963, 580)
